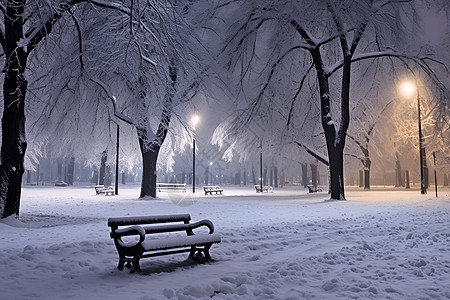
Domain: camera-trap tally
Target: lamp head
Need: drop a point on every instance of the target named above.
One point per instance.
(195, 119)
(408, 89)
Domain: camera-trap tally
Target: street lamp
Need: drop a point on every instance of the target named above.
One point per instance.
(195, 119)
(116, 189)
(209, 173)
(409, 89)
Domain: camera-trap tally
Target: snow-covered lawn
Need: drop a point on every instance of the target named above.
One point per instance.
(380, 244)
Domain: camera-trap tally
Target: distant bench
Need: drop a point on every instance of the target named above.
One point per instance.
(171, 187)
(265, 188)
(313, 189)
(103, 190)
(150, 245)
(212, 189)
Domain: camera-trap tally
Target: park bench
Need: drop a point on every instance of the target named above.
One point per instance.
(150, 237)
(265, 188)
(103, 190)
(313, 189)
(171, 187)
(212, 189)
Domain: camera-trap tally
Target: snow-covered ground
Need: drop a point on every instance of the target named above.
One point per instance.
(379, 244)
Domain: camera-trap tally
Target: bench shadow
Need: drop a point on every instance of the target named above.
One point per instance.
(157, 267)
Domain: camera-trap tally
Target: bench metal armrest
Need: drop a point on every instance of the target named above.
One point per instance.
(205, 222)
(132, 230)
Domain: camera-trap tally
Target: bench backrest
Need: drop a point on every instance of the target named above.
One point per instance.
(211, 188)
(171, 185)
(137, 220)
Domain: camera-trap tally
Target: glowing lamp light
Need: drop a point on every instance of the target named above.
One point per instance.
(195, 119)
(408, 89)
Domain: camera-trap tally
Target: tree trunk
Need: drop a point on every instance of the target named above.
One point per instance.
(150, 148)
(38, 174)
(304, 175)
(71, 171)
(148, 184)
(95, 176)
(101, 177)
(367, 164)
(59, 171)
(271, 177)
(336, 172)
(367, 179)
(335, 143)
(275, 176)
(13, 121)
(398, 171)
(107, 178)
(313, 174)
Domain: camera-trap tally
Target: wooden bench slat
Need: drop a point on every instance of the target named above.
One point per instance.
(177, 242)
(136, 220)
(171, 186)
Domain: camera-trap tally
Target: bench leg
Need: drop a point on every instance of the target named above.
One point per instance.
(135, 263)
(192, 252)
(196, 253)
(206, 252)
(121, 262)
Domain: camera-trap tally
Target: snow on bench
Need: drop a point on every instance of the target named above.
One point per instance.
(171, 187)
(147, 228)
(212, 189)
(265, 188)
(313, 189)
(101, 189)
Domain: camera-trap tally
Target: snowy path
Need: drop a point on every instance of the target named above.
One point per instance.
(286, 245)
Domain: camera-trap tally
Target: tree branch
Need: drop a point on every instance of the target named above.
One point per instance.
(80, 40)
(304, 34)
(319, 156)
(35, 37)
(340, 27)
(291, 110)
(377, 54)
(114, 103)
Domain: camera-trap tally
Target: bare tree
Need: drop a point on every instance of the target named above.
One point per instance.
(26, 24)
(332, 37)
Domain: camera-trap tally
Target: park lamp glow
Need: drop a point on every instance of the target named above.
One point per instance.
(195, 119)
(408, 89)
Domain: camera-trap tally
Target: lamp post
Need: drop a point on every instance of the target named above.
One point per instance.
(116, 190)
(261, 169)
(194, 120)
(409, 89)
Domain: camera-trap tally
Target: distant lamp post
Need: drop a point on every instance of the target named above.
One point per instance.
(409, 89)
(261, 169)
(195, 119)
(116, 188)
(209, 173)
